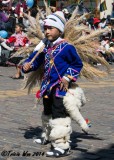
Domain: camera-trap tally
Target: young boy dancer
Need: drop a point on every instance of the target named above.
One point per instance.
(62, 66)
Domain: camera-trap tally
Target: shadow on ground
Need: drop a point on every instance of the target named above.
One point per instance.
(76, 138)
(100, 154)
(85, 154)
(31, 132)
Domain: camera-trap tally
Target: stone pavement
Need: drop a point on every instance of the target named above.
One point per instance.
(20, 122)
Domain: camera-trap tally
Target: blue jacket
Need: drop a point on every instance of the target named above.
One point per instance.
(61, 60)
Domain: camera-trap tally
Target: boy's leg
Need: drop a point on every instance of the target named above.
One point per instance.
(60, 129)
(44, 139)
(46, 115)
(46, 127)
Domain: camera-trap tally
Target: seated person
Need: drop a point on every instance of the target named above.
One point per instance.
(17, 40)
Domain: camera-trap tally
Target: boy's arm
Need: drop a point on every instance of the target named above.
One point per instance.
(27, 66)
(75, 66)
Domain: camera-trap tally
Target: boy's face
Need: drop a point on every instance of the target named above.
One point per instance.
(51, 33)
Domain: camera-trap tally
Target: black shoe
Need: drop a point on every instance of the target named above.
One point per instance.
(58, 152)
(41, 141)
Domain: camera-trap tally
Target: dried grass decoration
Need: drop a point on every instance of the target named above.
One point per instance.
(85, 44)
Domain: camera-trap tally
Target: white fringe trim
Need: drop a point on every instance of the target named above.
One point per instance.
(73, 101)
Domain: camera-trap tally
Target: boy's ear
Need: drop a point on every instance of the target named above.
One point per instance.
(61, 34)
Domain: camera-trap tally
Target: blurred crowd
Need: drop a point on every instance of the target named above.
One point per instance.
(16, 19)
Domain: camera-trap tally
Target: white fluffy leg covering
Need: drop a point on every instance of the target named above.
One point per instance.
(45, 125)
(60, 132)
(73, 102)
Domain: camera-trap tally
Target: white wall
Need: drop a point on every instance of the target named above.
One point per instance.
(109, 9)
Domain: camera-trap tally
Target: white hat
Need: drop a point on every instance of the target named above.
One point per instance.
(56, 20)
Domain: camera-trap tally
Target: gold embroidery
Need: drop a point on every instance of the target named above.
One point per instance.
(51, 62)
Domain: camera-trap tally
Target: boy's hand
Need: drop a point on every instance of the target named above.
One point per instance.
(64, 84)
(27, 66)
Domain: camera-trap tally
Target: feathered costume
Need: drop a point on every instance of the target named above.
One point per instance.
(58, 130)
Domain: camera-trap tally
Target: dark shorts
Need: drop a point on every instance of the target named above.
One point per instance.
(54, 106)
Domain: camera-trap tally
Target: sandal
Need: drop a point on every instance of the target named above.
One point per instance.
(58, 152)
(41, 141)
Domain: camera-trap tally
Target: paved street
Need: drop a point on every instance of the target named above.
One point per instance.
(20, 121)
